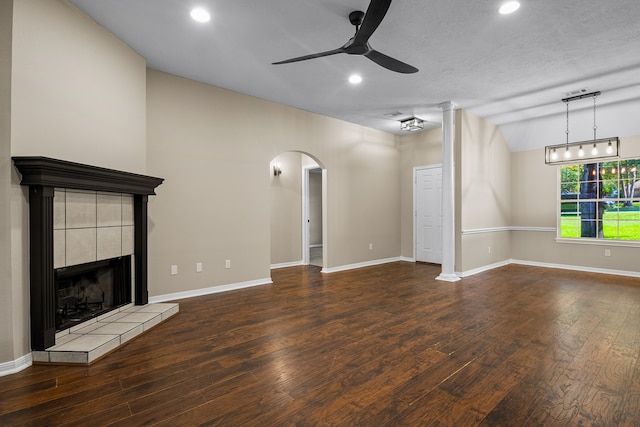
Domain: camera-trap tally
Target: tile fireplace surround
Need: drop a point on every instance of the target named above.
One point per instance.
(91, 226)
(77, 214)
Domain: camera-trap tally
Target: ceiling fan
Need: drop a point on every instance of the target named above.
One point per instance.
(365, 25)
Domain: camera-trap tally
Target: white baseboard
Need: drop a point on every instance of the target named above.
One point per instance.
(577, 268)
(548, 265)
(266, 281)
(8, 368)
(360, 265)
(211, 290)
(483, 268)
(286, 264)
(345, 267)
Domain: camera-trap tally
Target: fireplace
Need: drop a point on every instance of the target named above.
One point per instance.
(56, 304)
(88, 290)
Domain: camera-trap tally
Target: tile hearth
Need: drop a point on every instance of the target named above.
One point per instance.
(85, 343)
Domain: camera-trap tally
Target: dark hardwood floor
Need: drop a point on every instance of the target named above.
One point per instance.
(384, 345)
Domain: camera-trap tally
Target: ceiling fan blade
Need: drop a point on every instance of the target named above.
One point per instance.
(390, 63)
(313, 55)
(374, 16)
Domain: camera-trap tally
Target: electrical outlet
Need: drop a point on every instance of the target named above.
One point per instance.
(198, 267)
(227, 263)
(174, 270)
(607, 252)
(370, 246)
(489, 249)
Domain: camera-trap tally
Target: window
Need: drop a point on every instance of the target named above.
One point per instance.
(600, 200)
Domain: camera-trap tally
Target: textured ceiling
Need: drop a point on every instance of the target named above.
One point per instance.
(511, 70)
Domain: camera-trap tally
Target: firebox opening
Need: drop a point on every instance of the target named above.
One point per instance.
(89, 290)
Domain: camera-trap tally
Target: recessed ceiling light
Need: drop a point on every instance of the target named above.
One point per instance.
(200, 15)
(509, 7)
(355, 79)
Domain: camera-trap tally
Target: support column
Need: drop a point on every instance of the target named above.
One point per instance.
(140, 248)
(43, 298)
(448, 194)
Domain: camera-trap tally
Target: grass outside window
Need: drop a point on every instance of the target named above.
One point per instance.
(617, 224)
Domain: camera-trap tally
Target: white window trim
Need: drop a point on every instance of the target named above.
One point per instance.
(586, 240)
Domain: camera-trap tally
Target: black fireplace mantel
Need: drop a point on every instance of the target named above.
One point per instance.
(43, 175)
(48, 172)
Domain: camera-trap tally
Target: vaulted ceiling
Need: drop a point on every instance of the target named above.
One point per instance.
(512, 70)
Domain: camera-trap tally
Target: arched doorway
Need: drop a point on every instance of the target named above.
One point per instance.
(298, 219)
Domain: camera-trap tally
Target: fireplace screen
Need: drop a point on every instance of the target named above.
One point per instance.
(88, 290)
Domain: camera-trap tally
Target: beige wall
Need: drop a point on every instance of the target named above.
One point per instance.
(217, 176)
(533, 190)
(534, 204)
(416, 149)
(7, 349)
(484, 193)
(286, 209)
(78, 94)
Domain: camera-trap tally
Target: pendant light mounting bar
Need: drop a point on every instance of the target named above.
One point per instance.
(583, 96)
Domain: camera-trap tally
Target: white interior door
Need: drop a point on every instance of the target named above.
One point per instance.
(428, 191)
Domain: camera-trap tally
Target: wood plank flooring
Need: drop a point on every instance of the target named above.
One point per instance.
(384, 345)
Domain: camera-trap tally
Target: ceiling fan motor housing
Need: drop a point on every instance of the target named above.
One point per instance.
(356, 17)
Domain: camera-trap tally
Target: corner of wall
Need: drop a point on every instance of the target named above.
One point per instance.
(483, 193)
(7, 334)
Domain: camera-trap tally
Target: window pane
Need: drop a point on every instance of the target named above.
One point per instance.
(570, 173)
(589, 172)
(609, 170)
(629, 229)
(611, 214)
(610, 188)
(610, 224)
(590, 229)
(570, 226)
(590, 185)
(629, 168)
(629, 213)
(629, 174)
(569, 191)
(627, 204)
(569, 208)
(590, 210)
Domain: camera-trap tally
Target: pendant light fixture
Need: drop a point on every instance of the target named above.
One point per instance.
(582, 151)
